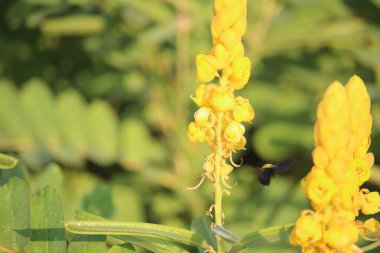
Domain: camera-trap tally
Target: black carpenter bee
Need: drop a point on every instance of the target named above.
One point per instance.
(267, 171)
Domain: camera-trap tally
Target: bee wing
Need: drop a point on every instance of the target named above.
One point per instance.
(281, 166)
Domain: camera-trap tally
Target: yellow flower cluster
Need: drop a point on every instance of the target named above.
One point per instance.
(341, 166)
(218, 105)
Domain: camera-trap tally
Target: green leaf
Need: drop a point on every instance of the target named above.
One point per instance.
(135, 144)
(264, 237)
(202, 225)
(102, 132)
(225, 234)
(14, 215)
(139, 228)
(100, 201)
(52, 175)
(87, 244)
(149, 242)
(13, 123)
(124, 248)
(41, 112)
(73, 25)
(7, 162)
(48, 234)
(72, 109)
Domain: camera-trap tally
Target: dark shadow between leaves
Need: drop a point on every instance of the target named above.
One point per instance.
(50, 234)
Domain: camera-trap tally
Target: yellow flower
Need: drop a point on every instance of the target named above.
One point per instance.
(241, 70)
(370, 202)
(222, 99)
(207, 67)
(340, 236)
(371, 225)
(234, 132)
(243, 110)
(195, 133)
(308, 230)
(204, 116)
(362, 170)
(320, 188)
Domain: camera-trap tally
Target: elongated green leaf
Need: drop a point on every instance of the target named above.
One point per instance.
(87, 244)
(225, 234)
(202, 225)
(74, 25)
(7, 162)
(152, 243)
(138, 228)
(124, 248)
(14, 215)
(48, 234)
(264, 237)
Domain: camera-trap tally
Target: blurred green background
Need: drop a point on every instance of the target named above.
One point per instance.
(95, 100)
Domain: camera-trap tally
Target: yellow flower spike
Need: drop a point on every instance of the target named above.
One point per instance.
(241, 70)
(341, 165)
(218, 120)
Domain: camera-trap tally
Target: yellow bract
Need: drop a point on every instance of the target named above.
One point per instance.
(341, 166)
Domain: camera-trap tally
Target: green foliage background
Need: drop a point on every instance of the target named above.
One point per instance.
(102, 88)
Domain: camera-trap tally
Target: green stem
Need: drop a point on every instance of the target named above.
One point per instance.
(217, 183)
(371, 246)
